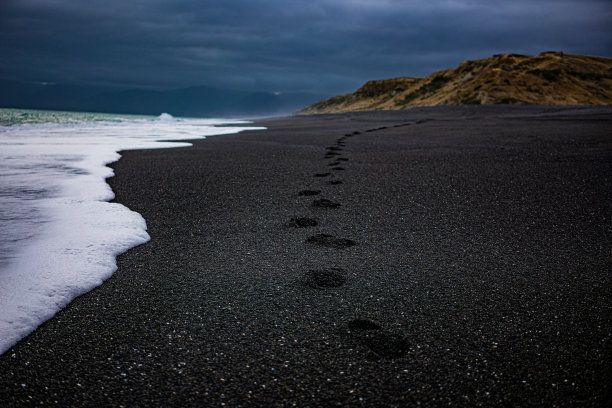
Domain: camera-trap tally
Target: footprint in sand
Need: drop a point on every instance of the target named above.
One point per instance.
(302, 222)
(370, 334)
(334, 182)
(360, 325)
(338, 168)
(342, 159)
(330, 241)
(325, 203)
(329, 155)
(309, 192)
(325, 278)
(322, 174)
(334, 148)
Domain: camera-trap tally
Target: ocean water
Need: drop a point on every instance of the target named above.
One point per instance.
(59, 235)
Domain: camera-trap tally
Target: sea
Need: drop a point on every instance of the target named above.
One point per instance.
(59, 234)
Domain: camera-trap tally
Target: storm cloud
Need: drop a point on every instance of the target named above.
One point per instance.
(327, 46)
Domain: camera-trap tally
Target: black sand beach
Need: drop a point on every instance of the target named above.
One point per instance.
(461, 257)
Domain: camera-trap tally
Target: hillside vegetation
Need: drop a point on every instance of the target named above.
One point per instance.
(551, 78)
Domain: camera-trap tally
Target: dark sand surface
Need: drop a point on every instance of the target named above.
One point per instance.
(467, 264)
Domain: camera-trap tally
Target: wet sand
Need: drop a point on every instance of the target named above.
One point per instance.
(437, 256)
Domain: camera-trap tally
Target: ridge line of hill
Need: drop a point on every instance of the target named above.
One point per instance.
(551, 78)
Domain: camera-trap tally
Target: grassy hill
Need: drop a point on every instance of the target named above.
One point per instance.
(551, 78)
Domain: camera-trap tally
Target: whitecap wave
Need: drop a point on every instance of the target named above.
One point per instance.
(166, 117)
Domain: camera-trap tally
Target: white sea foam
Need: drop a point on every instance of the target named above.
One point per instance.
(59, 235)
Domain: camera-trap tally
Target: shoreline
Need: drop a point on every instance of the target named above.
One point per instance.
(478, 274)
(59, 235)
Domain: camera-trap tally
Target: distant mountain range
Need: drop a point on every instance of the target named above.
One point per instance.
(197, 101)
(551, 78)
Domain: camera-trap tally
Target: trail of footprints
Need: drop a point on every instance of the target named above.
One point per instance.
(368, 333)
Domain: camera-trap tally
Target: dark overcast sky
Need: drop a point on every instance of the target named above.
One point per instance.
(328, 46)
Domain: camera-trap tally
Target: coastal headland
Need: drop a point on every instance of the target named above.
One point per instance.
(447, 256)
(550, 78)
